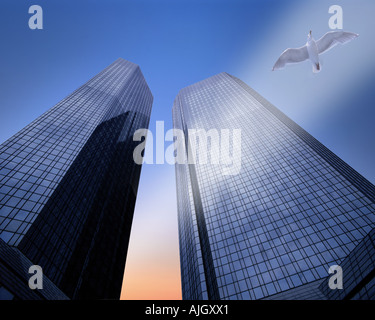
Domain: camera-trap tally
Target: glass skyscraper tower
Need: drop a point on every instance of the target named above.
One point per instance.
(68, 186)
(273, 229)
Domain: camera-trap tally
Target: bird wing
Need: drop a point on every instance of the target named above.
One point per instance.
(291, 56)
(333, 38)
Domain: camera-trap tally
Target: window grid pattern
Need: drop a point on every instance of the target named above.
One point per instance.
(192, 274)
(367, 292)
(358, 271)
(288, 215)
(74, 179)
(34, 160)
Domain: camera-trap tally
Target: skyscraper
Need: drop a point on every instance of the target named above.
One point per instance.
(68, 186)
(274, 228)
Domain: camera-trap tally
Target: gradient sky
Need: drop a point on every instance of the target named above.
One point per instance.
(177, 43)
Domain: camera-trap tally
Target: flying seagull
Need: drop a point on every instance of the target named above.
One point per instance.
(312, 49)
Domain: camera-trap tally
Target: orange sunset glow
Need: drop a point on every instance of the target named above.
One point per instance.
(152, 269)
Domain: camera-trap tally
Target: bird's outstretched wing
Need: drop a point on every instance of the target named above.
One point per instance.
(333, 38)
(291, 56)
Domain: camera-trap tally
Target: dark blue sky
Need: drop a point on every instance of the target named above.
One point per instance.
(176, 43)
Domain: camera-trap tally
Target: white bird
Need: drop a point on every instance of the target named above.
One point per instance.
(312, 49)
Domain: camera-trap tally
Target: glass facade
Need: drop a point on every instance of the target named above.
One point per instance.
(293, 210)
(358, 273)
(68, 183)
